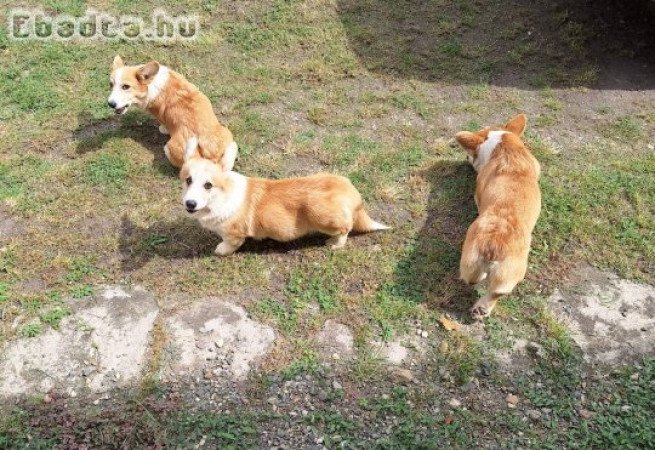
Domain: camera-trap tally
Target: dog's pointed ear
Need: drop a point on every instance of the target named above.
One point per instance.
(147, 72)
(470, 141)
(517, 124)
(118, 63)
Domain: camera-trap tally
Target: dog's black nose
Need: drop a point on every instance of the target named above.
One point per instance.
(111, 103)
(191, 205)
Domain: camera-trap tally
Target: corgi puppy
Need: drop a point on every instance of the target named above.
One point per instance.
(509, 202)
(182, 110)
(237, 207)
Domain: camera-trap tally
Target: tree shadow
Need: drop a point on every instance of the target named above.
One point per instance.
(92, 134)
(605, 44)
(184, 238)
(430, 272)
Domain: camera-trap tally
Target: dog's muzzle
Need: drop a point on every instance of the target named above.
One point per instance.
(112, 104)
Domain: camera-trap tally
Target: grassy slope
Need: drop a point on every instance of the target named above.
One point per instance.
(290, 81)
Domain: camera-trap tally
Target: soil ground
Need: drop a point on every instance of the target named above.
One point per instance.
(119, 328)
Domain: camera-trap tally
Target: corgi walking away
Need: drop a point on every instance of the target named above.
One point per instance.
(509, 202)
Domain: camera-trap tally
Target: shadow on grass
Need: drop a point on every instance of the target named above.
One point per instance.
(92, 134)
(606, 44)
(184, 238)
(430, 272)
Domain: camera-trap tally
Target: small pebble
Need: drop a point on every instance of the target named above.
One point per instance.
(404, 375)
(585, 414)
(454, 403)
(534, 414)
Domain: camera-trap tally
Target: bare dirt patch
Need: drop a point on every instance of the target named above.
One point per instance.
(611, 319)
(9, 226)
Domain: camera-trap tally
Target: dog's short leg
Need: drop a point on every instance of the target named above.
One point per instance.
(338, 241)
(484, 306)
(163, 129)
(226, 248)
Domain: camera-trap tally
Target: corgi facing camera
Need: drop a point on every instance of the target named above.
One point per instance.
(180, 107)
(509, 202)
(238, 207)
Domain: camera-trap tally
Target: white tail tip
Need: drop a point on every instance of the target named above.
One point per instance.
(377, 226)
(191, 148)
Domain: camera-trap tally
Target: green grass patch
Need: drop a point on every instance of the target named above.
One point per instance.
(54, 316)
(306, 363)
(107, 169)
(30, 330)
(228, 431)
(575, 204)
(624, 128)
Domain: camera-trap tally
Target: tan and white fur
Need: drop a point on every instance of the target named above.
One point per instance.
(509, 202)
(182, 110)
(238, 207)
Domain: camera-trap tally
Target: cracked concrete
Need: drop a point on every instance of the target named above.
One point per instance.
(215, 336)
(105, 343)
(101, 345)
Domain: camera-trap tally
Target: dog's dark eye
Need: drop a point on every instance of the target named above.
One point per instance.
(208, 185)
(111, 85)
(188, 181)
(125, 87)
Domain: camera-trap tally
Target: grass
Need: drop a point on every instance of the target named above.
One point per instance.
(314, 86)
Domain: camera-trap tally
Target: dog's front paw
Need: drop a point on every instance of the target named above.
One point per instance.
(337, 242)
(163, 129)
(224, 249)
(479, 313)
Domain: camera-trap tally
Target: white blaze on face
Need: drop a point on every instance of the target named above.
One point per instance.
(486, 149)
(198, 187)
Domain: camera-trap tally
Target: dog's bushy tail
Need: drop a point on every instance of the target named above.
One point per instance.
(363, 222)
(494, 237)
(191, 148)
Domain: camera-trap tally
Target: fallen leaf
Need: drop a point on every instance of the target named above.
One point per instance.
(448, 420)
(450, 325)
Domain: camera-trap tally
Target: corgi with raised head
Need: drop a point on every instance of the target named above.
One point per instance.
(182, 110)
(509, 202)
(238, 207)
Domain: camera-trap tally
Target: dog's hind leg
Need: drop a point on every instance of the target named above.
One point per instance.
(175, 149)
(472, 267)
(503, 277)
